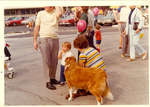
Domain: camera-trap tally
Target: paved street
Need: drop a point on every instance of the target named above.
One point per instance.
(128, 80)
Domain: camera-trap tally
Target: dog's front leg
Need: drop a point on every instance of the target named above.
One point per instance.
(70, 93)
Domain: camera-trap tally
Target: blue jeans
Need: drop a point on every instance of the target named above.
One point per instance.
(62, 76)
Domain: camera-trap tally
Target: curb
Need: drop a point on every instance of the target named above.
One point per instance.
(16, 34)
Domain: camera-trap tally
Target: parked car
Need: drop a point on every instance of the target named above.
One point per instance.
(9, 18)
(13, 21)
(67, 20)
(109, 19)
(30, 19)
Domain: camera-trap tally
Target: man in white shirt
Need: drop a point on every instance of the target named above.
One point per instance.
(124, 13)
(134, 31)
(46, 26)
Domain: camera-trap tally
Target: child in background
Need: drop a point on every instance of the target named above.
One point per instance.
(63, 54)
(30, 25)
(98, 36)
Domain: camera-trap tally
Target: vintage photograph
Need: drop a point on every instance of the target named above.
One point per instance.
(76, 55)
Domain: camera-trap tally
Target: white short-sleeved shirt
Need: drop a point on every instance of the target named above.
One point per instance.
(48, 22)
(124, 14)
(64, 56)
(91, 19)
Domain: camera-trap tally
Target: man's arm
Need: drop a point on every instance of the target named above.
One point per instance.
(60, 54)
(59, 11)
(141, 21)
(36, 32)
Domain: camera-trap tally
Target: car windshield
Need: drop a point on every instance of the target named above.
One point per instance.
(108, 16)
(29, 19)
(32, 18)
(11, 18)
(17, 18)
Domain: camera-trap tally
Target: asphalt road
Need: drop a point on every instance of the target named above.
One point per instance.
(128, 80)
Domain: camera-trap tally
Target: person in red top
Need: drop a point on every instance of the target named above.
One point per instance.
(98, 36)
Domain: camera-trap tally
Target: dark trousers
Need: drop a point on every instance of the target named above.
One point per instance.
(90, 37)
(62, 76)
(6, 51)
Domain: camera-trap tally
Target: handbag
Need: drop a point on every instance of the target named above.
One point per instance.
(135, 26)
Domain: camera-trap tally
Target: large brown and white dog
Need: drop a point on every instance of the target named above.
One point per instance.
(93, 80)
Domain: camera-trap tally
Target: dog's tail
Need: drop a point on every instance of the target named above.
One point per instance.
(107, 93)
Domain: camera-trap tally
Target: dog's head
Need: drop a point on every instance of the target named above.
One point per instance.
(70, 60)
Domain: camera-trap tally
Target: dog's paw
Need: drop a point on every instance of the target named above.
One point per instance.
(69, 99)
(101, 103)
(67, 96)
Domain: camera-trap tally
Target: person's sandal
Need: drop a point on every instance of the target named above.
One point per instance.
(144, 56)
(123, 55)
(130, 60)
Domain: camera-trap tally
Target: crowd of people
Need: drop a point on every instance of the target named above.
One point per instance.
(130, 22)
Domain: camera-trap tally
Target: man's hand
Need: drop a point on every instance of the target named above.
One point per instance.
(60, 54)
(124, 33)
(35, 45)
(137, 31)
(36, 31)
(59, 11)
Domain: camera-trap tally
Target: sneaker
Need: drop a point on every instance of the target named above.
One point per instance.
(6, 58)
(11, 69)
(50, 86)
(62, 83)
(54, 81)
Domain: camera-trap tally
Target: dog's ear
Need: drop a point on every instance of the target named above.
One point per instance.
(73, 58)
(67, 59)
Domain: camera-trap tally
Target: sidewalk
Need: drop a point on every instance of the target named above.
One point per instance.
(128, 80)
